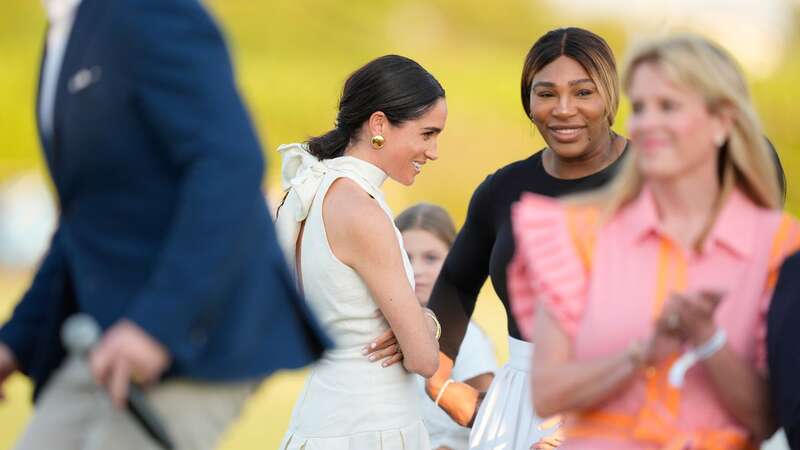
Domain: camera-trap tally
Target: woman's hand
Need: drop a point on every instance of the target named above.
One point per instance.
(459, 400)
(684, 318)
(554, 439)
(696, 315)
(384, 348)
(667, 338)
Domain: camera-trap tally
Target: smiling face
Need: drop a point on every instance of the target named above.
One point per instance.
(411, 144)
(671, 127)
(426, 253)
(567, 108)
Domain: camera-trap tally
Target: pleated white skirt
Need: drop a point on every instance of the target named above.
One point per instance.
(351, 403)
(506, 420)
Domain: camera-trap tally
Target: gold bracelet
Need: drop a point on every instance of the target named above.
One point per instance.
(432, 315)
(441, 391)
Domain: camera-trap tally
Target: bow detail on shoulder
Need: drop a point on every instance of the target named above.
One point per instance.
(301, 175)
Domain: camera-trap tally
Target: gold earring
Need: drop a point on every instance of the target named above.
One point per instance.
(378, 141)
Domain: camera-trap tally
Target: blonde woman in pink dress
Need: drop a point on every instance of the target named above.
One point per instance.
(647, 300)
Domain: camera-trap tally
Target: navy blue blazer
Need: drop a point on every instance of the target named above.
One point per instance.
(162, 222)
(783, 357)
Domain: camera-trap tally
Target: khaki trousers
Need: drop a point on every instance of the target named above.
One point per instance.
(73, 413)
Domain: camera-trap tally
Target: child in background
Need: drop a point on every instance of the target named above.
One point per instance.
(428, 232)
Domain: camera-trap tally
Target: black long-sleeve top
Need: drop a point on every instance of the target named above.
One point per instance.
(485, 244)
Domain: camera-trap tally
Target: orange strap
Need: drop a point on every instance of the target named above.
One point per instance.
(582, 226)
(785, 242)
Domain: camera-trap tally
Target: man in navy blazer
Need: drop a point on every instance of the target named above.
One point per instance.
(783, 357)
(164, 237)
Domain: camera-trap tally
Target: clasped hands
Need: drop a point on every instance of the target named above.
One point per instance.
(684, 319)
(461, 400)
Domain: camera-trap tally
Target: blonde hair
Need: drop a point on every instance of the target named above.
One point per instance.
(745, 159)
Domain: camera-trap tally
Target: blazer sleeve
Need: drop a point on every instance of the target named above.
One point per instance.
(20, 332)
(782, 355)
(185, 90)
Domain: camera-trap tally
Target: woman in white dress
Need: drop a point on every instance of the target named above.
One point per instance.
(428, 233)
(335, 226)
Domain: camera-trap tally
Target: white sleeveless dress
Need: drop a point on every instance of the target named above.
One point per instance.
(348, 402)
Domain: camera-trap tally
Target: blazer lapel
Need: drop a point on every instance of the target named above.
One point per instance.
(83, 28)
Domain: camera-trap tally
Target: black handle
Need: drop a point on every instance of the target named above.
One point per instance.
(147, 417)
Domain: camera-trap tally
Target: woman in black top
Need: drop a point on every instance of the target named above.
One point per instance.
(570, 91)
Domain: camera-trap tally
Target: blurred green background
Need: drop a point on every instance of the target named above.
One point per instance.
(292, 57)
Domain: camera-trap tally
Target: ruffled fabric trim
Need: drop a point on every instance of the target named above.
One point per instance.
(546, 266)
(412, 437)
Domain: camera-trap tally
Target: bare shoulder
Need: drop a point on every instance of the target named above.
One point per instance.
(347, 203)
(354, 222)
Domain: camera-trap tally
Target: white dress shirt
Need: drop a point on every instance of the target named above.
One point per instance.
(60, 14)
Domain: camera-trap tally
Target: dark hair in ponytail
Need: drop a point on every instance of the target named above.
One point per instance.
(392, 84)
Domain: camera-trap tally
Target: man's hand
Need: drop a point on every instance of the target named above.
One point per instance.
(8, 365)
(126, 353)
